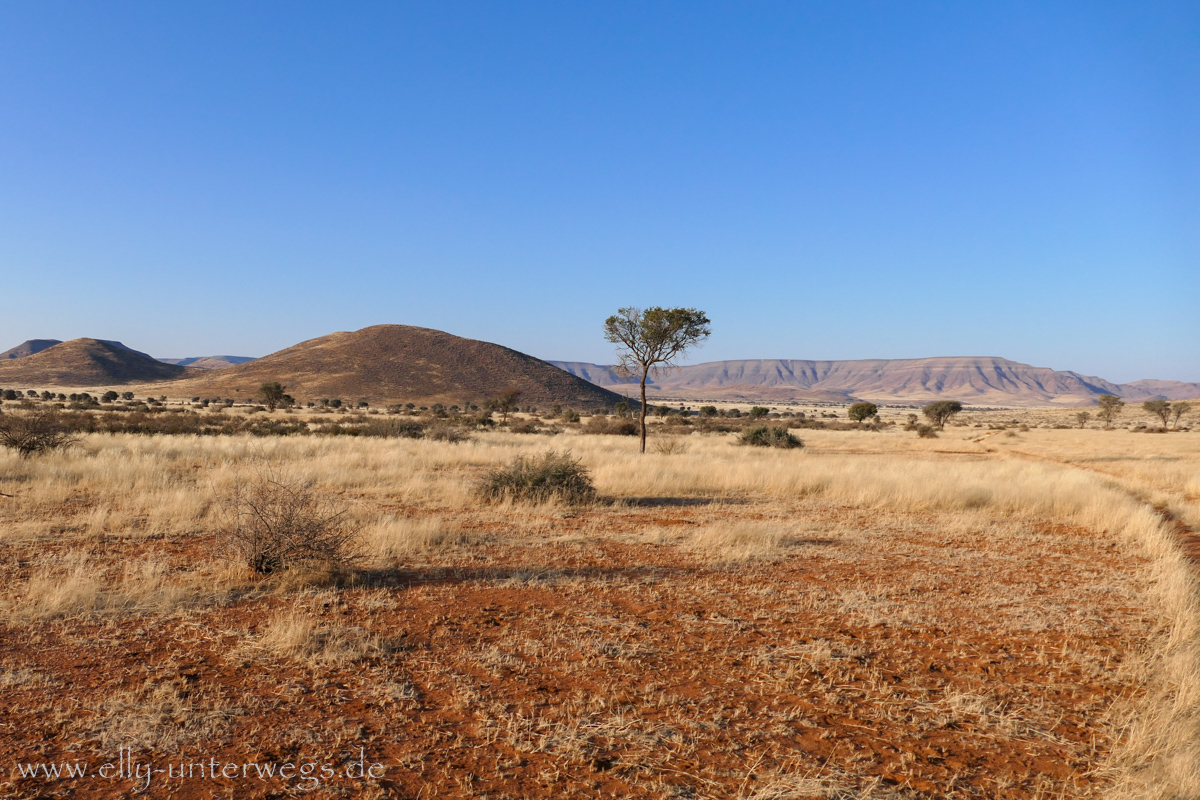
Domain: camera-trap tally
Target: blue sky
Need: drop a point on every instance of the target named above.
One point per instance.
(826, 180)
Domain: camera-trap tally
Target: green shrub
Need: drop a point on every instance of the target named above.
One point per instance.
(768, 436)
(552, 476)
(860, 412)
(927, 432)
(758, 412)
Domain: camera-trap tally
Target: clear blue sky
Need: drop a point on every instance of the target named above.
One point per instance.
(827, 180)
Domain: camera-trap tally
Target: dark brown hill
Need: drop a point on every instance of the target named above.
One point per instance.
(400, 363)
(85, 362)
(29, 347)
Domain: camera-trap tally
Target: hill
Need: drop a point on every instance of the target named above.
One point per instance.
(208, 362)
(29, 347)
(85, 362)
(976, 380)
(400, 363)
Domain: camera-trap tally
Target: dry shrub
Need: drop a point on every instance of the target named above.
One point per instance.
(769, 436)
(611, 427)
(393, 428)
(669, 445)
(35, 432)
(930, 432)
(447, 433)
(532, 426)
(276, 525)
(553, 476)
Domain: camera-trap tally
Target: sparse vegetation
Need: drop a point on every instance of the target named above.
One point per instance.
(753, 564)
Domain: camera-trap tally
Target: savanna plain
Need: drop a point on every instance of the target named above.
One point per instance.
(1003, 611)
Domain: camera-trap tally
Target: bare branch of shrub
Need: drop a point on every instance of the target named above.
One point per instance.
(276, 525)
(35, 432)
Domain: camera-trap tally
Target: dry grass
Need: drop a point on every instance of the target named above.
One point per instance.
(871, 525)
(296, 635)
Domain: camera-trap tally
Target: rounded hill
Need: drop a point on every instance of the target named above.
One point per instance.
(401, 363)
(85, 362)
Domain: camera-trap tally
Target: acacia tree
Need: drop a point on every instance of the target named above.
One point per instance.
(505, 403)
(272, 394)
(1178, 410)
(941, 411)
(1160, 409)
(1109, 405)
(651, 340)
(1082, 418)
(860, 412)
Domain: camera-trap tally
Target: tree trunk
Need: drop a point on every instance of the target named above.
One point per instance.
(642, 414)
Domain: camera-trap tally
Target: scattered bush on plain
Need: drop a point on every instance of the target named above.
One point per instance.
(770, 436)
(551, 476)
(275, 525)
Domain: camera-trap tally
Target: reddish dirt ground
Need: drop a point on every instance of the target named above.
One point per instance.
(896, 655)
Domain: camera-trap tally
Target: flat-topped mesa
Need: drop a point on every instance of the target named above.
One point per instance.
(978, 380)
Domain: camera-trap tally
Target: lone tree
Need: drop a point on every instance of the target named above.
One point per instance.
(861, 412)
(1180, 409)
(505, 403)
(1109, 406)
(1160, 409)
(940, 412)
(271, 394)
(652, 340)
(1082, 418)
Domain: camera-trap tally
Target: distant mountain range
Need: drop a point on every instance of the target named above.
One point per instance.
(978, 381)
(402, 363)
(208, 362)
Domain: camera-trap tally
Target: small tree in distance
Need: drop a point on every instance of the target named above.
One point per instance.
(1082, 418)
(860, 412)
(652, 340)
(940, 412)
(1160, 409)
(1108, 406)
(1180, 409)
(272, 394)
(505, 403)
